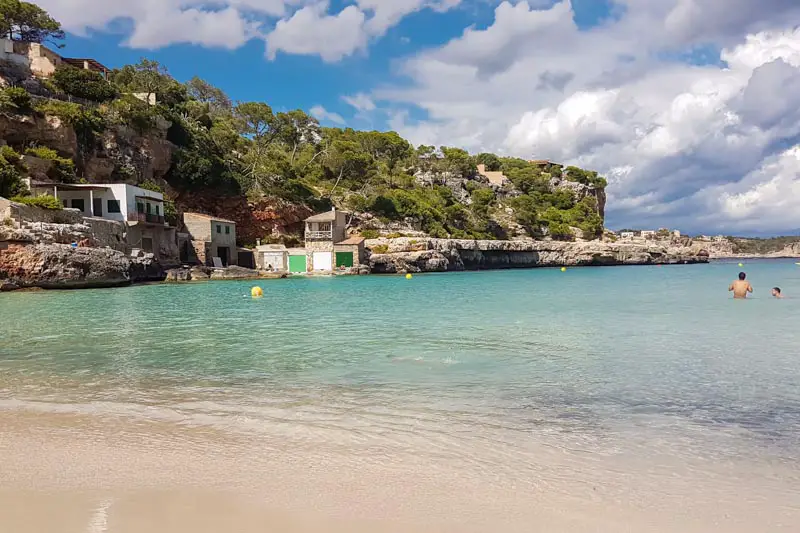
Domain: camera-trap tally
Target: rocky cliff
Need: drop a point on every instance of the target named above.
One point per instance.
(441, 255)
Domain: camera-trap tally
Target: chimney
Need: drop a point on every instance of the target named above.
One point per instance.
(258, 242)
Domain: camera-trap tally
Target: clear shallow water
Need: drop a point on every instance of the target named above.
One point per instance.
(638, 363)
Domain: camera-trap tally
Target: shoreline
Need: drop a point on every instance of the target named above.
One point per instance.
(132, 474)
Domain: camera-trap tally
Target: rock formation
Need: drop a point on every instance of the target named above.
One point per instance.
(440, 255)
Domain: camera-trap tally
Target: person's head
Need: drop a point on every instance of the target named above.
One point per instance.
(776, 291)
(742, 275)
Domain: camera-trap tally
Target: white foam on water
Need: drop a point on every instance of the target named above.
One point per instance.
(99, 520)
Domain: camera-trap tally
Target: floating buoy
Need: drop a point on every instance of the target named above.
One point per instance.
(409, 276)
(256, 292)
(741, 264)
(563, 269)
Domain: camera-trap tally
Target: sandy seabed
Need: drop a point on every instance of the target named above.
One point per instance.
(83, 473)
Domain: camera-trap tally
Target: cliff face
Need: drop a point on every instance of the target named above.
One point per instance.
(119, 154)
(440, 255)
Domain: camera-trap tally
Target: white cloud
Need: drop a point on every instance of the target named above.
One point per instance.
(322, 114)
(664, 131)
(311, 31)
(361, 102)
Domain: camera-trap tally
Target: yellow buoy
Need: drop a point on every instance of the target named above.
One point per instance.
(741, 264)
(563, 269)
(409, 276)
(256, 292)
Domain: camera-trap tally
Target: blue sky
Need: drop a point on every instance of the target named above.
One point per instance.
(691, 108)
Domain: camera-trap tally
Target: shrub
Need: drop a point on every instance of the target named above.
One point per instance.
(132, 112)
(380, 249)
(370, 233)
(44, 201)
(63, 169)
(10, 177)
(8, 221)
(561, 232)
(82, 83)
(16, 99)
(87, 123)
(10, 155)
(395, 235)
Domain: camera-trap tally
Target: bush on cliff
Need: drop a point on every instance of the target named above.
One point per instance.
(11, 183)
(82, 83)
(62, 169)
(16, 100)
(45, 201)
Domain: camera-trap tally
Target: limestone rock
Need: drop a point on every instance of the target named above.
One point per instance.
(60, 266)
(455, 254)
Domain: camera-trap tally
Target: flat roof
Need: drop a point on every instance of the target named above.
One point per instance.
(208, 217)
(79, 61)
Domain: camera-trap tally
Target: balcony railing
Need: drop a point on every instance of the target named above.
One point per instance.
(319, 235)
(146, 217)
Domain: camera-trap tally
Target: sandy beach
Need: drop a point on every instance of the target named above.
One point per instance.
(95, 474)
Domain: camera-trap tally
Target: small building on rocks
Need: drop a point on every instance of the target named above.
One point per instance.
(349, 253)
(211, 237)
(272, 257)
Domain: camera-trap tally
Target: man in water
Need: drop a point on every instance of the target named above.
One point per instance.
(776, 292)
(741, 287)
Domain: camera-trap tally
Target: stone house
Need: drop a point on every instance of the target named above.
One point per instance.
(141, 211)
(647, 234)
(322, 232)
(627, 235)
(209, 238)
(42, 61)
(349, 253)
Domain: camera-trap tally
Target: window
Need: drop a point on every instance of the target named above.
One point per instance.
(113, 206)
(219, 228)
(324, 226)
(157, 213)
(78, 204)
(139, 207)
(65, 203)
(227, 230)
(148, 207)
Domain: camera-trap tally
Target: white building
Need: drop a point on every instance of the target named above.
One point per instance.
(627, 235)
(647, 234)
(140, 209)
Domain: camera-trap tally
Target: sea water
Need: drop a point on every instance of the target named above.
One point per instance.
(612, 374)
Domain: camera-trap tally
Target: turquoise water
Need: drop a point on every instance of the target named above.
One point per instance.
(636, 361)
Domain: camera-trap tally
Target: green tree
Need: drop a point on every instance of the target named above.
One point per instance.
(24, 21)
(347, 160)
(150, 78)
(202, 91)
(10, 177)
(457, 162)
(84, 83)
(491, 161)
(296, 128)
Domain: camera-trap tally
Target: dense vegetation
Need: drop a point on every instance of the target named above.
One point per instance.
(247, 148)
(761, 246)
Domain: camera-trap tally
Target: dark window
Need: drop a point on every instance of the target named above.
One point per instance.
(78, 204)
(149, 207)
(157, 213)
(113, 206)
(227, 230)
(219, 228)
(139, 207)
(65, 203)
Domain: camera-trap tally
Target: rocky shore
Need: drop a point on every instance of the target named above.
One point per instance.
(443, 255)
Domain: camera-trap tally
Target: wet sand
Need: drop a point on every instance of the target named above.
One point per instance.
(93, 474)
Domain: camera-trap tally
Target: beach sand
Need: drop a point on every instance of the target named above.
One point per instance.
(84, 473)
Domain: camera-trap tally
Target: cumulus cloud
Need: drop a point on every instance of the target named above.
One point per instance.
(361, 102)
(311, 31)
(631, 99)
(305, 27)
(322, 114)
(157, 23)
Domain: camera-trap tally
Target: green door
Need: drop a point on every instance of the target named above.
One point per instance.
(344, 259)
(297, 263)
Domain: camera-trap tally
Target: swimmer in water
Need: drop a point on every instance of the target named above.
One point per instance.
(741, 287)
(776, 292)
